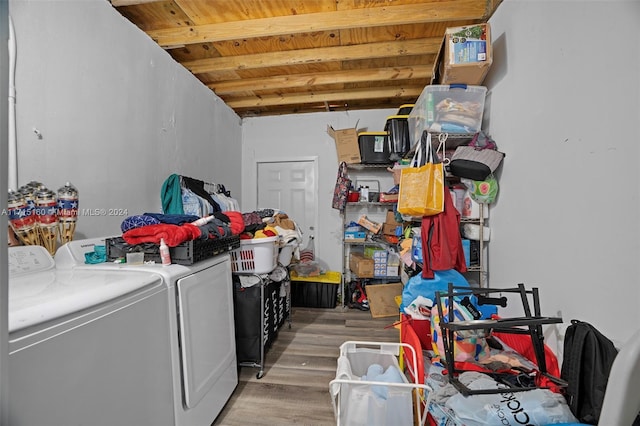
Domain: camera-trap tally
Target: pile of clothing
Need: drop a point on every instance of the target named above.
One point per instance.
(271, 223)
(176, 229)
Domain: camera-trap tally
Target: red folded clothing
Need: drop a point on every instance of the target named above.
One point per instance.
(173, 235)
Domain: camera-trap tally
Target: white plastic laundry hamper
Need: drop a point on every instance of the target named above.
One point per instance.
(357, 402)
(255, 256)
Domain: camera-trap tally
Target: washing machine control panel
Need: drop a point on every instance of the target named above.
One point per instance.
(29, 259)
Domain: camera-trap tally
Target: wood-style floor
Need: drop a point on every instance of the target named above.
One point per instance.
(299, 367)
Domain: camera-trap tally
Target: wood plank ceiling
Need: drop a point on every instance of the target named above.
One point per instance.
(268, 57)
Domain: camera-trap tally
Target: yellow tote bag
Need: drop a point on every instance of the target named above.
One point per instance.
(422, 184)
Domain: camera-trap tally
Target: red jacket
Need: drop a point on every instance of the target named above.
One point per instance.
(441, 242)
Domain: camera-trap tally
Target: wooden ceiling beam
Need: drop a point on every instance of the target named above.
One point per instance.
(120, 3)
(331, 96)
(317, 79)
(433, 11)
(422, 46)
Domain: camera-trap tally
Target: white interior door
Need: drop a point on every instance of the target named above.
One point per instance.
(290, 186)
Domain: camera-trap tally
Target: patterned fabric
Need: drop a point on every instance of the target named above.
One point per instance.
(137, 221)
(251, 218)
(265, 213)
(341, 190)
(468, 345)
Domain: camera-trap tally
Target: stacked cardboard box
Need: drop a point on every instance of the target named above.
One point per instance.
(385, 263)
(360, 265)
(390, 226)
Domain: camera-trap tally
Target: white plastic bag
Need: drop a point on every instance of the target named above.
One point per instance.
(472, 232)
(532, 407)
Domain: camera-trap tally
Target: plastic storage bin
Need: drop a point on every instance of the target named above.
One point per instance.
(455, 108)
(315, 292)
(397, 127)
(255, 256)
(374, 147)
(359, 401)
(405, 109)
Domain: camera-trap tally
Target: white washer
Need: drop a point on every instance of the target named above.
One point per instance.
(85, 347)
(201, 329)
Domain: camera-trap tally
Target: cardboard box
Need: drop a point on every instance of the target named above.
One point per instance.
(376, 253)
(381, 299)
(355, 236)
(391, 218)
(385, 271)
(369, 224)
(391, 229)
(346, 144)
(388, 198)
(465, 55)
(360, 265)
(392, 271)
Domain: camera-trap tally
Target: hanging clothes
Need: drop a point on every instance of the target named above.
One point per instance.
(191, 203)
(171, 195)
(441, 242)
(197, 187)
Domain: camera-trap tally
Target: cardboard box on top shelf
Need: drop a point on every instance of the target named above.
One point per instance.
(346, 144)
(465, 55)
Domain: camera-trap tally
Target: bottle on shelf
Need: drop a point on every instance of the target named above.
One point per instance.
(364, 193)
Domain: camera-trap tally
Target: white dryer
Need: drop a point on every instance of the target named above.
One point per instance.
(85, 347)
(200, 328)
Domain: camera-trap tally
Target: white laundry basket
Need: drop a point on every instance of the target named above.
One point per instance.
(255, 256)
(358, 402)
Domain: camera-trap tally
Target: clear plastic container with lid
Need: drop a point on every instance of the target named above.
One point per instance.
(455, 108)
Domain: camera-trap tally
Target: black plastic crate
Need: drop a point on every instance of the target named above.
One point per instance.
(186, 253)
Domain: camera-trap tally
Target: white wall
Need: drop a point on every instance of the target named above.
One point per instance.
(304, 135)
(117, 115)
(563, 104)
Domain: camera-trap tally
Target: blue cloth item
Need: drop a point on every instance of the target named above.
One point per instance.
(137, 221)
(171, 195)
(173, 219)
(375, 374)
(99, 255)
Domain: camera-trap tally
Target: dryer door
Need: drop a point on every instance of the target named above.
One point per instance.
(207, 336)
